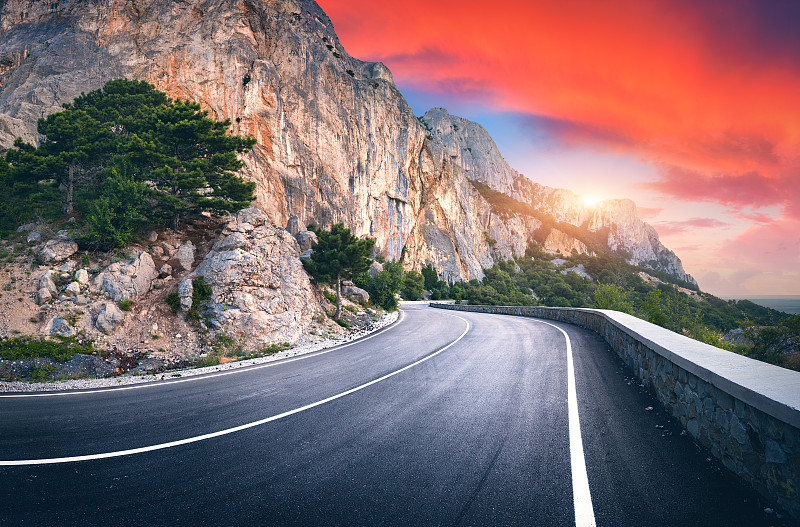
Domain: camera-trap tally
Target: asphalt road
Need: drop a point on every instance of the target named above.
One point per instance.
(443, 419)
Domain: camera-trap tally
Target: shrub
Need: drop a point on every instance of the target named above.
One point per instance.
(343, 323)
(59, 350)
(173, 300)
(125, 305)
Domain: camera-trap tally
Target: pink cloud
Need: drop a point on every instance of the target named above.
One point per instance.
(669, 228)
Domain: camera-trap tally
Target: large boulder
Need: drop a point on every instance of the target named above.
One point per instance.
(59, 326)
(82, 276)
(260, 292)
(109, 318)
(73, 289)
(48, 281)
(128, 281)
(58, 249)
(356, 293)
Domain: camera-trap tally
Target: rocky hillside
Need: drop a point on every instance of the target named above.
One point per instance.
(336, 140)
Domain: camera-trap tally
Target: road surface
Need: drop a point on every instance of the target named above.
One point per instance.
(443, 419)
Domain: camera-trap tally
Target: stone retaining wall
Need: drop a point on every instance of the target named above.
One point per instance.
(745, 412)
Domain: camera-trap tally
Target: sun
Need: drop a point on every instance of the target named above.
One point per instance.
(590, 201)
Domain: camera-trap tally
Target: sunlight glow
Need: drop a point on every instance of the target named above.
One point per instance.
(590, 201)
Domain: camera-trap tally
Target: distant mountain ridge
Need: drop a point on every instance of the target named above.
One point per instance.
(337, 142)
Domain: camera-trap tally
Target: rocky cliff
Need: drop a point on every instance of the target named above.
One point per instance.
(336, 140)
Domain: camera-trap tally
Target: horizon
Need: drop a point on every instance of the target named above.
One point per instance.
(688, 110)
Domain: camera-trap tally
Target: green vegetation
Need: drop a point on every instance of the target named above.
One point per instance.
(345, 324)
(413, 283)
(125, 305)
(772, 336)
(201, 294)
(173, 300)
(384, 285)
(121, 158)
(338, 256)
(60, 350)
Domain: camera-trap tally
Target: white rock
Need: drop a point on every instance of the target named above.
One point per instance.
(43, 295)
(34, 237)
(82, 276)
(185, 255)
(185, 290)
(59, 326)
(128, 281)
(306, 239)
(109, 318)
(58, 249)
(73, 289)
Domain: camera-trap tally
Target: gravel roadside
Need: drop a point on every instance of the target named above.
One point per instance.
(80, 384)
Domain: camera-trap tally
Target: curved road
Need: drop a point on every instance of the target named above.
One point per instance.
(442, 419)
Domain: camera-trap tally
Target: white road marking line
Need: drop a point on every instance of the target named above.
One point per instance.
(582, 498)
(169, 382)
(203, 437)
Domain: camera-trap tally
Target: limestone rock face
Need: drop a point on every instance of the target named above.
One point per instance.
(471, 147)
(336, 141)
(58, 249)
(560, 242)
(128, 281)
(260, 292)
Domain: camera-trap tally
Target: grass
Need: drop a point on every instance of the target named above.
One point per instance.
(60, 350)
(345, 324)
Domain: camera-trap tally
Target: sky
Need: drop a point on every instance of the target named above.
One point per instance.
(691, 109)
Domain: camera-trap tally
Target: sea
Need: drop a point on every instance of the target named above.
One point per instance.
(786, 303)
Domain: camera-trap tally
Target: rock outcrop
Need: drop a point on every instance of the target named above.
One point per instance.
(336, 141)
(260, 293)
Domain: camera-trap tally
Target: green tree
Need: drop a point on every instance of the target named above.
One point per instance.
(430, 276)
(190, 162)
(651, 308)
(612, 296)
(114, 216)
(338, 256)
(384, 286)
(185, 161)
(412, 286)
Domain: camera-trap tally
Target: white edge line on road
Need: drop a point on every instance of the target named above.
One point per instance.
(582, 497)
(239, 428)
(169, 382)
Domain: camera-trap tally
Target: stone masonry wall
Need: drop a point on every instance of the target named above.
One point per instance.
(755, 436)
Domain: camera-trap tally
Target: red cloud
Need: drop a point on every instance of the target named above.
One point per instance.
(737, 190)
(707, 89)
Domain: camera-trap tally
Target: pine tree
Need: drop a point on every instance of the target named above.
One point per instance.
(177, 161)
(338, 256)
